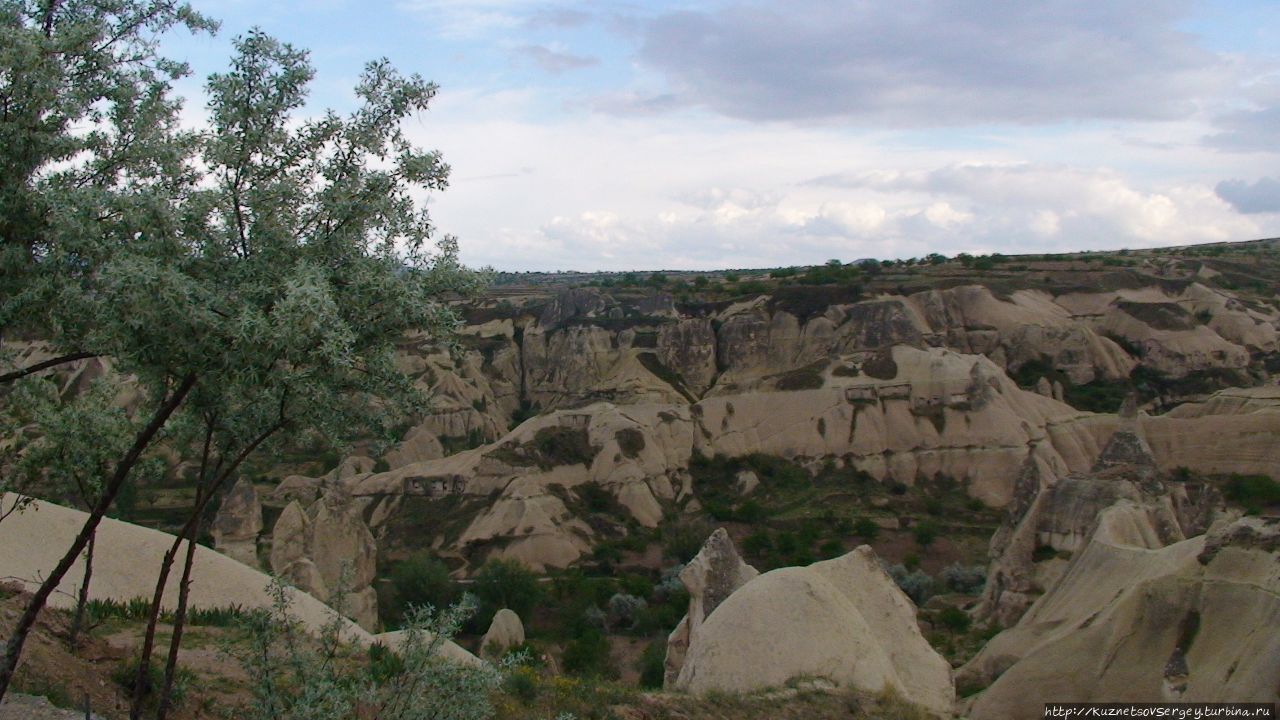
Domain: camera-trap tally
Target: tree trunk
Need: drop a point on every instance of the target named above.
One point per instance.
(153, 620)
(179, 621)
(13, 648)
(82, 599)
(202, 500)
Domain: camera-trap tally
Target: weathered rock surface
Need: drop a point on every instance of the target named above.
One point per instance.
(1233, 430)
(1059, 514)
(583, 345)
(1187, 622)
(327, 548)
(843, 620)
(505, 632)
(238, 523)
(714, 574)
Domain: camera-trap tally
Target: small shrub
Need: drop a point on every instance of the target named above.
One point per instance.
(505, 584)
(588, 655)
(925, 533)
(917, 585)
(955, 619)
(653, 665)
(384, 664)
(422, 580)
(758, 543)
(1253, 492)
(623, 610)
(522, 684)
(830, 549)
(866, 528)
(964, 579)
(1042, 553)
(683, 539)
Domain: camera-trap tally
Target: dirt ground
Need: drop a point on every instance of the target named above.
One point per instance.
(68, 677)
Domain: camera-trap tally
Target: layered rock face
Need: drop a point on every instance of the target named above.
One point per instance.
(326, 548)
(1188, 622)
(843, 620)
(583, 345)
(898, 414)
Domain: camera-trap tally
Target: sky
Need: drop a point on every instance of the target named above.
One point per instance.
(705, 135)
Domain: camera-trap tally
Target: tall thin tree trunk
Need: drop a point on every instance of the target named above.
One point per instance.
(202, 499)
(13, 648)
(179, 622)
(82, 599)
(153, 620)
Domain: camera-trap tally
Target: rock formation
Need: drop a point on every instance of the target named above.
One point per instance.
(1054, 516)
(238, 523)
(843, 620)
(326, 548)
(1188, 622)
(714, 574)
(505, 632)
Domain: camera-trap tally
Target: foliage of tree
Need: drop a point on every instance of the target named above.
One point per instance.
(422, 580)
(250, 279)
(506, 584)
(296, 677)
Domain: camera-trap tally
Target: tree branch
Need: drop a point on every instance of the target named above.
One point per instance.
(45, 365)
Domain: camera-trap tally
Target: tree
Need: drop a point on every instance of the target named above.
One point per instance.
(294, 678)
(507, 584)
(251, 279)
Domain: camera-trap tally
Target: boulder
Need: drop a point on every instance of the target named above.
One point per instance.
(505, 632)
(843, 620)
(710, 577)
(746, 482)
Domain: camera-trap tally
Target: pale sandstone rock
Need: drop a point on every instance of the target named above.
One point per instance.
(328, 547)
(238, 523)
(1129, 622)
(1060, 513)
(843, 620)
(714, 574)
(505, 632)
(746, 482)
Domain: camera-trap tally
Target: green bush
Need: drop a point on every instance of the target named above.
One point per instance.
(422, 580)
(925, 533)
(507, 584)
(683, 539)
(1253, 492)
(758, 543)
(384, 664)
(588, 655)
(294, 679)
(866, 528)
(652, 665)
(955, 619)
